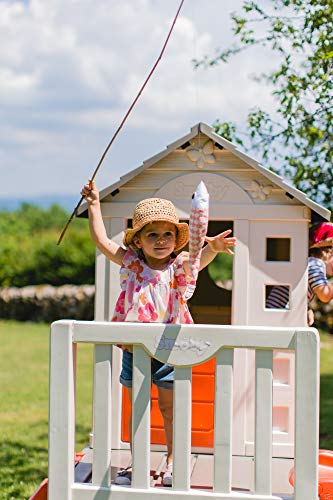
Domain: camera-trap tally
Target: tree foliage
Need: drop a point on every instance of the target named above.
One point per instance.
(29, 254)
(298, 136)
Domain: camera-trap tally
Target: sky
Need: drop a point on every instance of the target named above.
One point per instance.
(69, 70)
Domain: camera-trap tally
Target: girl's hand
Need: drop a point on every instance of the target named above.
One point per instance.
(329, 265)
(90, 192)
(310, 315)
(220, 242)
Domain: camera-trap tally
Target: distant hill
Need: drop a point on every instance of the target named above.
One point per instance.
(67, 201)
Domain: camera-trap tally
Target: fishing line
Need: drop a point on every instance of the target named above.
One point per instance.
(123, 121)
(196, 84)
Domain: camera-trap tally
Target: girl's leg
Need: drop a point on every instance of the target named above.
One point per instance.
(165, 402)
(129, 395)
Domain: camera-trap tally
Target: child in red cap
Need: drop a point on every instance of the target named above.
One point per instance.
(320, 263)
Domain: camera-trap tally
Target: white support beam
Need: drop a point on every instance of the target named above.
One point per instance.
(101, 473)
(263, 422)
(141, 418)
(182, 429)
(223, 420)
(61, 412)
(306, 414)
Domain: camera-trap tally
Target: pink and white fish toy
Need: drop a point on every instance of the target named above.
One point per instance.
(198, 229)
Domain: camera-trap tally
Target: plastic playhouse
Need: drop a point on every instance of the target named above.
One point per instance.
(246, 402)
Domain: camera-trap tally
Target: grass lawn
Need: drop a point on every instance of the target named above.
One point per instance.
(326, 392)
(24, 404)
(24, 366)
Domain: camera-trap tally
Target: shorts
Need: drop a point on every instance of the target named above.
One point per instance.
(161, 375)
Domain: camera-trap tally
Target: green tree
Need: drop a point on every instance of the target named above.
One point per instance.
(298, 136)
(29, 254)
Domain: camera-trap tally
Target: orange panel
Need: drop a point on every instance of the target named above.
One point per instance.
(208, 367)
(203, 385)
(203, 388)
(325, 475)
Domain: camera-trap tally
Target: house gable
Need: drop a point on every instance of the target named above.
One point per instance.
(202, 151)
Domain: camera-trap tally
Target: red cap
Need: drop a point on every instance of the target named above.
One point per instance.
(321, 235)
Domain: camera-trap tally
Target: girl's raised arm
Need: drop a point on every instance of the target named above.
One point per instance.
(108, 247)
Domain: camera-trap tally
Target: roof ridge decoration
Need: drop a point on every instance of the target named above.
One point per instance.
(200, 154)
(258, 190)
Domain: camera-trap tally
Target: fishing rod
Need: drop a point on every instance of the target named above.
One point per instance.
(123, 121)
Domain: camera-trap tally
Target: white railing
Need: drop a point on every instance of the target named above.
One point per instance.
(182, 346)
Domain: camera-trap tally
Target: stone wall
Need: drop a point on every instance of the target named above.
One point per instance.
(47, 303)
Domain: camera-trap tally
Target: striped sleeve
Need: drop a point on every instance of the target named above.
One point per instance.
(278, 297)
(316, 276)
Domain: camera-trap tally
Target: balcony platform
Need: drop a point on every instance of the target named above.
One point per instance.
(202, 466)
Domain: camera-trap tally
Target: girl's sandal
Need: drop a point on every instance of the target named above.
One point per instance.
(124, 476)
(167, 477)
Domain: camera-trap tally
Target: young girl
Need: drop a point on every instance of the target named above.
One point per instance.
(154, 275)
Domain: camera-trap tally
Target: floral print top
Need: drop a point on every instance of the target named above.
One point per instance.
(152, 296)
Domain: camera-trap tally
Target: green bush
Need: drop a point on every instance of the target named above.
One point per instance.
(220, 269)
(29, 254)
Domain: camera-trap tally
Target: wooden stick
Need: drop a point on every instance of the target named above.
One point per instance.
(123, 121)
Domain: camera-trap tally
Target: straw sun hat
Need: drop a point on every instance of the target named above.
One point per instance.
(153, 210)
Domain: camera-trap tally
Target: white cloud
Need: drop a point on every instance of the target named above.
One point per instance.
(70, 69)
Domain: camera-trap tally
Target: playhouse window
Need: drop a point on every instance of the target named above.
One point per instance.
(277, 296)
(278, 249)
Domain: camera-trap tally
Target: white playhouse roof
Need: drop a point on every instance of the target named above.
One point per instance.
(184, 143)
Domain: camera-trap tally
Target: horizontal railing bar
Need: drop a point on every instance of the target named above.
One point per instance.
(83, 492)
(169, 343)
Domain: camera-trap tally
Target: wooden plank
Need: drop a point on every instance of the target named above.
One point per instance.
(263, 422)
(217, 336)
(61, 412)
(141, 418)
(203, 472)
(307, 414)
(223, 420)
(102, 416)
(182, 429)
(84, 492)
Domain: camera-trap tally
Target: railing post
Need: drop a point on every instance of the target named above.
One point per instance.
(101, 473)
(263, 422)
(182, 429)
(141, 418)
(223, 420)
(306, 415)
(61, 412)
